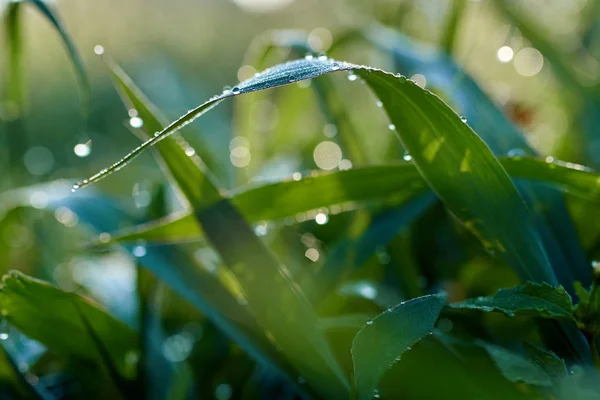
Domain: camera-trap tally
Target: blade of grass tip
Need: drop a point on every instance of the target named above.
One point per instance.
(449, 34)
(125, 387)
(279, 75)
(134, 99)
(84, 84)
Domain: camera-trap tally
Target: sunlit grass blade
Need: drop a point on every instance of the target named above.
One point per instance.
(43, 312)
(464, 173)
(362, 186)
(184, 166)
(383, 340)
(499, 134)
(246, 255)
(82, 77)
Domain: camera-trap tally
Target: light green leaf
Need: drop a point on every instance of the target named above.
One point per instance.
(383, 340)
(45, 313)
(532, 299)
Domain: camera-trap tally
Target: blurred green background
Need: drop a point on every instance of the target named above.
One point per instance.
(181, 52)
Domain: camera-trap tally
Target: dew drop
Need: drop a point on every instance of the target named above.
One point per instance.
(379, 103)
(75, 187)
(352, 76)
(227, 90)
(516, 153)
(407, 156)
(463, 119)
(235, 90)
(392, 127)
(308, 57)
(335, 66)
(370, 322)
(322, 57)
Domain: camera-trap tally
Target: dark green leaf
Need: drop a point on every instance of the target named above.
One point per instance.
(383, 340)
(515, 367)
(549, 362)
(45, 313)
(535, 299)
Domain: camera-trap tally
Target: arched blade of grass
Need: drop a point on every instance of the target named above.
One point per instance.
(292, 325)
(500, 134)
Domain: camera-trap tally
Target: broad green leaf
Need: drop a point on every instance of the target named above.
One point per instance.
(515, 367)
(45, 313)
(464, 173)
(292, 325)
(383, 340)
(500, 134)
(82, 77)
(369, 184)
(549, 362)
(534, 299)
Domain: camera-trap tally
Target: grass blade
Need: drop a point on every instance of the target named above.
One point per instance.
(293, 327)
(362, 186)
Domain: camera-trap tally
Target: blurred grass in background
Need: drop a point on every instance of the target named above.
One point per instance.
(180, 53)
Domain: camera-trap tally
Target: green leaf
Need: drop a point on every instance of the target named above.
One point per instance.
(515, 367)
(532, 299)
(82, 77)
(549, 362)
(292, 325)
(383, 340)
(369, 184)
(500, 134)
(278, 200)
(45, 313)
(464, 173)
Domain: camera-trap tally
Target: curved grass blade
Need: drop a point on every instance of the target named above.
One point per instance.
(369, 184)
(383, 340)
(500, 134)
(292, 325)
(44, 312)
(464, 173)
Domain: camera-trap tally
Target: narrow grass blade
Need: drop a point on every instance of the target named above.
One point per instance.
(464, 173)
(292, 325)
(383, 340)
(82, 77)
(359, 186)
(449, 34)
